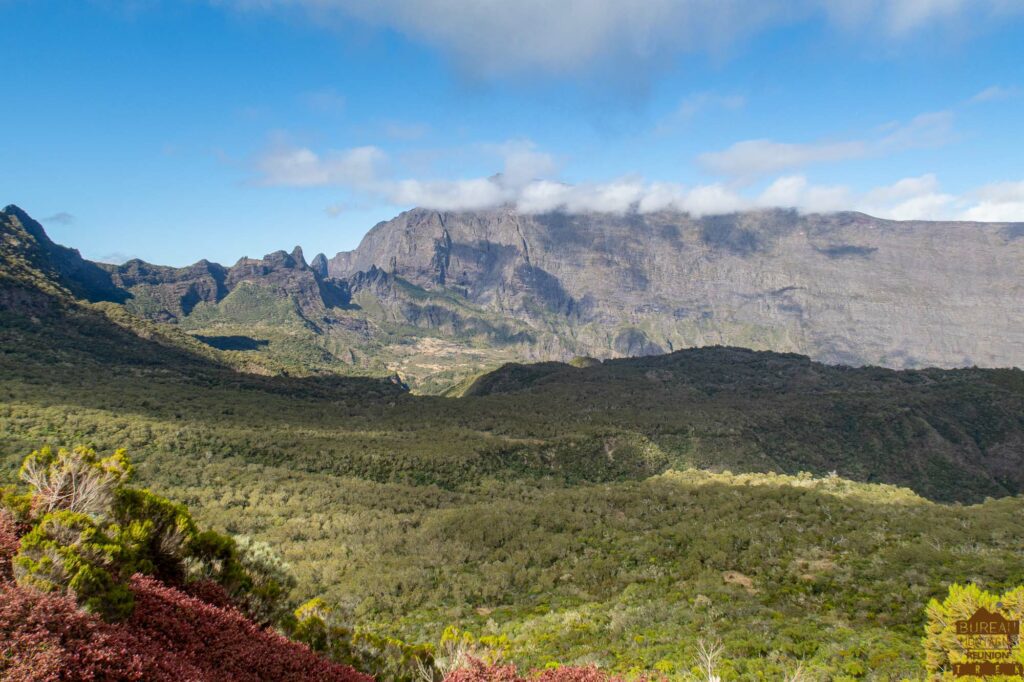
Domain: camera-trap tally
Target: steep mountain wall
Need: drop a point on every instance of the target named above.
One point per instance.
(842, 287)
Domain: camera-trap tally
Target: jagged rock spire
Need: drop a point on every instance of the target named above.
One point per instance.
(319, 265)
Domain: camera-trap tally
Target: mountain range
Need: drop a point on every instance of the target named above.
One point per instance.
(612, 512)
(439, 296)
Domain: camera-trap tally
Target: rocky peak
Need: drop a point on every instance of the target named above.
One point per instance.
(375, 279)
(319, 265)
(26, 248)
(33, 228)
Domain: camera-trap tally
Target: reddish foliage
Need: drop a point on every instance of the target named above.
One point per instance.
(8, 543)
(170, 636)
(209, 592)
(46, 637)
(206, 642)
(481, 672)
(576, 674)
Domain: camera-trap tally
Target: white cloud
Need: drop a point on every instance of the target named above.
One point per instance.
(932, 129)
(712, 199)
(913, 198)
(999, 202)
(796, 191)
(1007, 212)
(496, 37)
(932, 206)
(898, 18)
(617, 196)
(1002, 192)
(302, 167)
(994, 93)
(750, 159)
(472, 194)
(528, 180)
(902, 190)
(627, 194)
(523, 162)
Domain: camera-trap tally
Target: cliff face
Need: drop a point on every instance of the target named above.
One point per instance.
(844, 288)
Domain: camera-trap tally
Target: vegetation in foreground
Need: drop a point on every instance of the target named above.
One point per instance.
(623, 579)
(103, 581)
(99, 580)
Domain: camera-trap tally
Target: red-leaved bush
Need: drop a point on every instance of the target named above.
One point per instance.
(576, 674)
(209, 592)
(481, 672)
(46, 637)
(8, 544)
(170, 636)
(207, 642)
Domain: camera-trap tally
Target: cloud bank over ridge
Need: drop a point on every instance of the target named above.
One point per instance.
(528, 180)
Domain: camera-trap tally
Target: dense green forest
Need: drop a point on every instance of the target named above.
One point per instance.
(625, 513)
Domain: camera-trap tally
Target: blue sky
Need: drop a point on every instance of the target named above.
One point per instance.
(179, 129)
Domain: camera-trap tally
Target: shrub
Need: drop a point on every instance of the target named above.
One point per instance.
(213, 556)
(314, 627)
(90, 534)
(18, 505)
(67, 552)
(388, 658)
(211, 643)
(478, 671)
(270, 581)
(77, 480)
(93, 532)
(384, 657)
(459, 649)
(155, 532)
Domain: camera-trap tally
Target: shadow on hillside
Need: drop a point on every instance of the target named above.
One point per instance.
(238, 342)
(949, 438)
